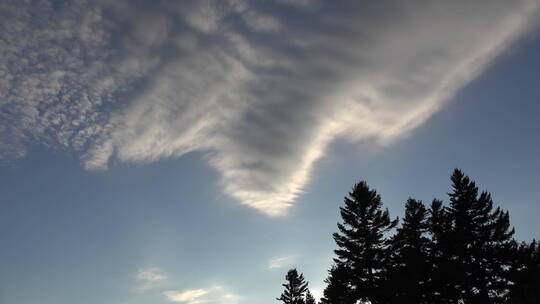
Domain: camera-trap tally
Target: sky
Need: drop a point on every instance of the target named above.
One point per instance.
(193, 151)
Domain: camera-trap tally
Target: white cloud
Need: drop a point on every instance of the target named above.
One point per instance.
(205, 16)
(149, 278)
(210, 295)
(302, 3)
(261, 95)
(280, 262)
(58, 74)
(260, 22)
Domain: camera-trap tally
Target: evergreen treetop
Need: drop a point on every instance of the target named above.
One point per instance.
(295, 288)
(362, 240)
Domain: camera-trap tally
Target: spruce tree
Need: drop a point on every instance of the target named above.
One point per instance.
(461, 253)
(442, 274)
(525, 274)
(309, 298)
(295, 288)
(409, 266)
(477, 239)
(338, 286)
(363, 243)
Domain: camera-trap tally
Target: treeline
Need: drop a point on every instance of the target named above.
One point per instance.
(460, 252)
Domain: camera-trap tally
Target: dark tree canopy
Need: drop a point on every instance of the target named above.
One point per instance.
(295, 288)
(441, 272)
(408, 275)
(477, 238)
(460, 252)
(362, 241)
(309, 298)
(525, 273)
(339, 288)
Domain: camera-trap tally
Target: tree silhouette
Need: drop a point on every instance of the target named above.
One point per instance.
(525, 274)
(442, 273)
(462, 253)
(408, 277)
(295, 288)
(338, 289)
(309, 298)
(477, 237)
(362, 242)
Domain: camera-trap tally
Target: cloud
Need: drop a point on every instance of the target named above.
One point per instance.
(153, 278)
(260, 94)
(300, 3)
(149, 278)
(210, 295)
(279, 262)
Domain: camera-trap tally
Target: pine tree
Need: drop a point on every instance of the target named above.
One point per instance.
(338, 289)
(309, 298)
(409, 266)
(525, 274)
(442, 274)
(477, 239)
(295, 288)
(362, 241)
(461, 253)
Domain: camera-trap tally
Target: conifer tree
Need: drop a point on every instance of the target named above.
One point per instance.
(442, 274)
(409, 266)
(295, 288)
(477, 240)
(525, 274)
(309, 298)
(362, 241)
(338, 289)
(461, 253)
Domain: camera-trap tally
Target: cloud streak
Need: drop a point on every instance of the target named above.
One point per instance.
(280, 262)
(149, 278)
(259, 93)
(210, 295)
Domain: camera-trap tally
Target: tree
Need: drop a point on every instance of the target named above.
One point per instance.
(460, 253)
(409, 265)
(338, 289)
(441, 274)
(309, 298)
(295, 288)
(363, 243)
(525, 274)
(477, 238)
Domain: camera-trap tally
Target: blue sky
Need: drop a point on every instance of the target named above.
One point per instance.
(190, 152)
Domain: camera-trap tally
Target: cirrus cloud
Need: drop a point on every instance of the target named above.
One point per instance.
(281, 261)
(259, 93)
(210, 295)
(149, 278)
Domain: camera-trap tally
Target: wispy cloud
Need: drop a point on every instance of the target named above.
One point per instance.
(210, 295)
(259, 93)
(279, 262)
(149, 278)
